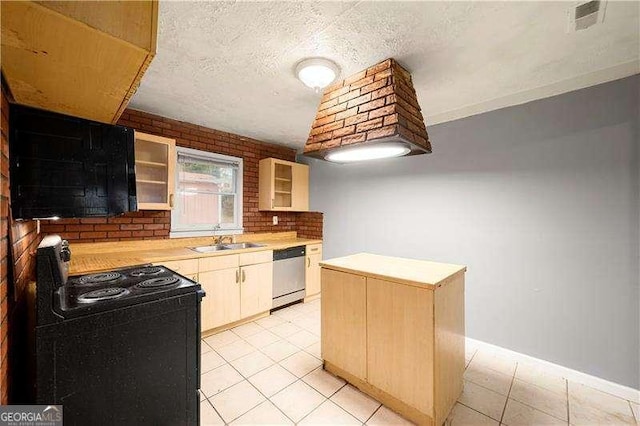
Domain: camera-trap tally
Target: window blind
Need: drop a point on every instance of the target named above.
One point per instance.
(203, 159)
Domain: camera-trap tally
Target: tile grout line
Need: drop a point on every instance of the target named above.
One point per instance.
(536, 408)
(566, 386)
(284, 339)
(243, 377)
(339, 407)
(471, 359)
(258, 390)
(513, 379)
(633, 413)
(214, 408)
(479, 412)
(374, 413)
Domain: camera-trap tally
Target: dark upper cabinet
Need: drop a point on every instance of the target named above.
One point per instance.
(69, 167)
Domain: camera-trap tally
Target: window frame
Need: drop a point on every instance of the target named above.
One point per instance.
(237, 228)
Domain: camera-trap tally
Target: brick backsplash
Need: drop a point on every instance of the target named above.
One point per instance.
(157, 224)
(309, 225)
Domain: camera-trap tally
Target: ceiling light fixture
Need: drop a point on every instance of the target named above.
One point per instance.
(317, 73)
(372, 114)
(368, 152)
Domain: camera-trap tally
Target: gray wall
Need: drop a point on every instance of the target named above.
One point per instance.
(540, 201)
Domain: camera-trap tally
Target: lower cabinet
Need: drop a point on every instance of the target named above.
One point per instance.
(256, 289)
(400, 334)
(235, 289)
(312, 272)
(401, 343)
(221, 305)
(344, 321)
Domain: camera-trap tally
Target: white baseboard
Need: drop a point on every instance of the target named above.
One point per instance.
(603, 385)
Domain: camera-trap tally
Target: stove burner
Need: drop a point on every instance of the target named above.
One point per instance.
(142, 272)
(103, 294)
(105, 277)
(158, 282)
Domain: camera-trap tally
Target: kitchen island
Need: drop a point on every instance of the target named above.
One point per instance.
(394, 328)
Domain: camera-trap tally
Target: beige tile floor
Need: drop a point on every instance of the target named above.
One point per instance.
(269, 372)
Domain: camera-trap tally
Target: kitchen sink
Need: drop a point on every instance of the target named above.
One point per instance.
(208, 249)
(218, 247)
(236, 246)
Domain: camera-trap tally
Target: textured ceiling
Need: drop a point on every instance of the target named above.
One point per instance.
(229, 65)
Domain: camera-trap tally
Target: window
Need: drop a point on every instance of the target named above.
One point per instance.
(208, 194)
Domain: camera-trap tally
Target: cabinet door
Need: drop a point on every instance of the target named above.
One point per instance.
(155, 165)
(265, 184)
(312, 277)
(221, 305)
(400, 341)
(344, 312)
(283, 185)
(256, 290)
(300, 188)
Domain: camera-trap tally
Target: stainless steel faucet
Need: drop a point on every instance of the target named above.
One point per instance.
(219, 239)
(216, 239)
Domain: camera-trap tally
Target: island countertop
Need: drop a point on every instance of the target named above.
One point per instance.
(407, 271)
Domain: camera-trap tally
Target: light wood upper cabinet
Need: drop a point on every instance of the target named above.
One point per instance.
(83, 59)
(284, 185)
(155, 168)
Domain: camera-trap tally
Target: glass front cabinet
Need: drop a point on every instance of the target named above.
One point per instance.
(155, 168)
(284, 185)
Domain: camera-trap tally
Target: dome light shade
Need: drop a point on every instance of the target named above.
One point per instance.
(367, 152)
(317, 73)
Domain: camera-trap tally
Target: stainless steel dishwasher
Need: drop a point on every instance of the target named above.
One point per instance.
(288, 275)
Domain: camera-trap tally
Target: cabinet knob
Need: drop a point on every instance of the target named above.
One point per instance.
(244, 276)
(237, 276)
(170, 200)
(308, 262)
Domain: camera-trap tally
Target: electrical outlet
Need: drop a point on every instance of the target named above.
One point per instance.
(275, 220)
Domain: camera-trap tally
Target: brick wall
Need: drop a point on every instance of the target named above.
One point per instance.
(18, 242)
(309, 225)
(156, 224)
(4, 247)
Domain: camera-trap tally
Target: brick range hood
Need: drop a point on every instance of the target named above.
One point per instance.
(375, 107)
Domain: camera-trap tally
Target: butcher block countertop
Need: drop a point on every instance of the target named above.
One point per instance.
(406, 271)
(88, 258)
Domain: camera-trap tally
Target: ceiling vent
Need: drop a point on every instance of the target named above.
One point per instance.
(582, 15)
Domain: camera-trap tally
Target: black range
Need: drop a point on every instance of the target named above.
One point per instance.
(118, 347)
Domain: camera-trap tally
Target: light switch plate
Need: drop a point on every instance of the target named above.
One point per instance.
(275, 220)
